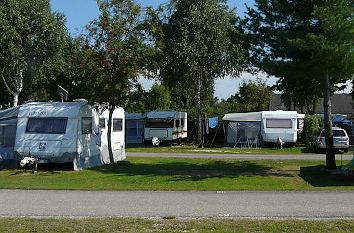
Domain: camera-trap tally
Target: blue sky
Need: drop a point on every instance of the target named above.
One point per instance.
(80, 12)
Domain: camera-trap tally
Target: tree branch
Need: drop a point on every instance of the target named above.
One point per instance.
(6, 85)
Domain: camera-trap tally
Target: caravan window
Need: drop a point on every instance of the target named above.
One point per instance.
(117, 125)
(159, 124)
(53, 125)
(182, 122)
(177, 123)
(86, 125)
(279, 123)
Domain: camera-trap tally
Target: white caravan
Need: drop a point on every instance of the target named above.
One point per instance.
(118, 138)
(279, 124)
(56, 132)
(166, 126)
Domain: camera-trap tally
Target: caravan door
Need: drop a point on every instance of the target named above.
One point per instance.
(88, 152)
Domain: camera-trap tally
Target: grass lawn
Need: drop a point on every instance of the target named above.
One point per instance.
(223, 150)
(170, 225)
(185, 174)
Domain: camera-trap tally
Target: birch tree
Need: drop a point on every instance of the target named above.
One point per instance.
(31, 39)
(202, 44)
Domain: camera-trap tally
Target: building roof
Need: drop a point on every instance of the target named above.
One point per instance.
(341, 104)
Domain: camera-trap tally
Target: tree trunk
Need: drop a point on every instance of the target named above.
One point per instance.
(314, 103)
(109, 136)
(18, 86)
(15, 99)
(330, 154)
(199, 113)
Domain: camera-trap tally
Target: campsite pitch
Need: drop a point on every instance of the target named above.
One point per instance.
(170, 224)
(223, 150)
(185, 174)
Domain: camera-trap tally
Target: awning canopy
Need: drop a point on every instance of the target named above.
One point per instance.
(248, 116)
(134, 116)
(9, 113)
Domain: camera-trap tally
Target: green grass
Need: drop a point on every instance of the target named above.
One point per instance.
(185, 174)
(224, 150)
(24, 225)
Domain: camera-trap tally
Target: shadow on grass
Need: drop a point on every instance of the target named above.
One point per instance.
(45, 169)
(317, 176)
(184, 171)
(308, 150)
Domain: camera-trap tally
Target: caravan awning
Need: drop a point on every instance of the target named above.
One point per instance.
(9, 113)
(9, 116)
(248, 116)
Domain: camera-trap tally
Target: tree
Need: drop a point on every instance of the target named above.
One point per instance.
(254, 96)
(30, 44)
(159, 98)
(309, 40)
(200, 46)
(137, 99)
(118, 48)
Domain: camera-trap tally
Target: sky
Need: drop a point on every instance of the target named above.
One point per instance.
(80, 12)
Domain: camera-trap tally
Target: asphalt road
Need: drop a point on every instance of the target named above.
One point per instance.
(312, 205)
(241, 156)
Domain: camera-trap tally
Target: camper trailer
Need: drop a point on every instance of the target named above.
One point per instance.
(56, 132)
(166, 126)
(117, 132)
(255, 128)
(279, 125)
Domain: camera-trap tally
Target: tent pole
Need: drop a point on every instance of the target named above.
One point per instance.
(215, 136)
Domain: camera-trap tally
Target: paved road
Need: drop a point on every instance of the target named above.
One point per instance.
(240, 156)
(327, 204)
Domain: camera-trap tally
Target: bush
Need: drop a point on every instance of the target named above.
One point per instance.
(311, 130)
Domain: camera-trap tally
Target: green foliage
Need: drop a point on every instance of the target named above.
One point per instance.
(117, 50)
(308, 45)
(300, 42)
(254, 96)
(31, 42)
(201, 44)
(311, 130)
(159, 98)
(137, 100)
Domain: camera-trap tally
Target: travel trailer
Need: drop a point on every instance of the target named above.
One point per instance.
(255, 128)
(279, 124)
(118, 138)
(166, 126)
(62, 132)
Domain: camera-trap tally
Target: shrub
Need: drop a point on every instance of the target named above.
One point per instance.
(311, 130)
